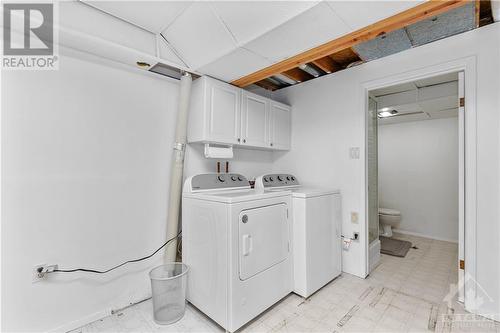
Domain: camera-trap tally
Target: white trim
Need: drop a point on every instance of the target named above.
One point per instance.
(82, 321)
(468, 66)
(418, 234)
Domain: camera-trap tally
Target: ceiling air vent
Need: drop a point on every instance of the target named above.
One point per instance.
(169, 71)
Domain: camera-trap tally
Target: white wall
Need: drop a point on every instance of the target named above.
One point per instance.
(85, 164)
(418, 175)
(328, 118)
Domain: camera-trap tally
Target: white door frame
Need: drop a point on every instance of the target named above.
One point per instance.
(468, 206)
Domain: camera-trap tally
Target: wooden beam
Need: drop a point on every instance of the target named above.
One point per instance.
(327, 64)
(298, 75)
(477, 12)
(418, 13)
(267, 85)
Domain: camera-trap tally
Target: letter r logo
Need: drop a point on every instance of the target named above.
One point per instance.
(28, 29)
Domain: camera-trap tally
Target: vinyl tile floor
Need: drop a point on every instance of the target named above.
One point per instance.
(411, 294)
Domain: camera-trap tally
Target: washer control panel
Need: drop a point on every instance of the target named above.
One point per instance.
(214, 181)
(277, 180)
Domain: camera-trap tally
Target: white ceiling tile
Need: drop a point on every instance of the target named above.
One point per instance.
(150, 15)
(403, 119)
(167, 53)
(313, 27)
(437, 80)
(449, 113)
(199, 36)
(234, 65)
(359, 14)
(394, 89)
(438, 104)
(250, 19)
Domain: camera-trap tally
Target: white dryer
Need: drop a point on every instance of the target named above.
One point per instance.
(317, 240)
(236, 242)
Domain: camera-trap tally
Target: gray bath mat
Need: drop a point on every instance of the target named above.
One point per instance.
(394, 247)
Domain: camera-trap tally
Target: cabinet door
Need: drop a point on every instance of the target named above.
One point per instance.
(254, 120)
(280, 126)
(223, 112)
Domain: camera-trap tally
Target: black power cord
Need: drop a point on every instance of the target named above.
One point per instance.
(117, 266)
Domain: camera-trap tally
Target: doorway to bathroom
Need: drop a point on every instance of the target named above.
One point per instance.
(415, 168)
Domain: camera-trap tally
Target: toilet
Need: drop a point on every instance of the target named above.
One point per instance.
(388, 218)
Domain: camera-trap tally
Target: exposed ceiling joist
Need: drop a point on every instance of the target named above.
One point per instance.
(327, 64)
(423, 11)
(267, 85)
(297, 75)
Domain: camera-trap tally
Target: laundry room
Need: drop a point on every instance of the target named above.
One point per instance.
(224, 166)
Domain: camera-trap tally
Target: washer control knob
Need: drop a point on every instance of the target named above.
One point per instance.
(287, 177)
(265, 179)
(240, 178)
(234, 178)
(271, 179)
(293, 178)
(280, 178)
(221, 178)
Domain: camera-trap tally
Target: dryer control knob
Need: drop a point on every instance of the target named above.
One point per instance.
(221, 178)
(287, 177)
(280, 178)
(265, 179)
(234, 178)
(271, 179)
(240, 178)
(293, 178)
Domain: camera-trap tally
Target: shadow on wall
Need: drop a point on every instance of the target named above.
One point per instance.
(249, 162)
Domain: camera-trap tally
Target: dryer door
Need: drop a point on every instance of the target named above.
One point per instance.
(263, 238)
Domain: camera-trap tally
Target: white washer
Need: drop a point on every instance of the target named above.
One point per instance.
(236, 242)
(317, 242)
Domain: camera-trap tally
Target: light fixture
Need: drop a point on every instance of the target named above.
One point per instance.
(387, 113)
(143, 64)
(309, 69)
(385, 109)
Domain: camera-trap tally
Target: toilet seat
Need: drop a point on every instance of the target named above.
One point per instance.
(388, 211)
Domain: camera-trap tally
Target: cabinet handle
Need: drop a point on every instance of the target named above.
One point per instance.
(271, 144)
(239, 139)
(244, 140)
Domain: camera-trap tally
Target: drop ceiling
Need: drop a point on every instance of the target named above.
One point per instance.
(230, 39)
(425, 99)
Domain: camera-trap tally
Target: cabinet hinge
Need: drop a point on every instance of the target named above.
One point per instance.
(287, 213)
(462, 264)
(462, 102)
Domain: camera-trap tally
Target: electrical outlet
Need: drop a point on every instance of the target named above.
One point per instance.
(40, 271)
(354, 217)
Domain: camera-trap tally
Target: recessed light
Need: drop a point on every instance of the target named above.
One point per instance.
(385, 114)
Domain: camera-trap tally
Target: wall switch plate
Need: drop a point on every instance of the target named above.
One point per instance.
(354, 153)
(354, 217)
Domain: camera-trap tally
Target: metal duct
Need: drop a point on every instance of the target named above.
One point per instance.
(495, 9)
(174, 202)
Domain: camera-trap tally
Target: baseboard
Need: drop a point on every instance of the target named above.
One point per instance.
(411, 233)
(82, 321)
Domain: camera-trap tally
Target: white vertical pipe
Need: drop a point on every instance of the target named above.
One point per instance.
(174, 202)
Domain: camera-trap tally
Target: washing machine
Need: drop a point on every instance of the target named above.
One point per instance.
(237, 244)
(316, 230)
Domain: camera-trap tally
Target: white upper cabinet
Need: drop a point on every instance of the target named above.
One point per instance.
(280, 131)
(254, 120)
(223, 114)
